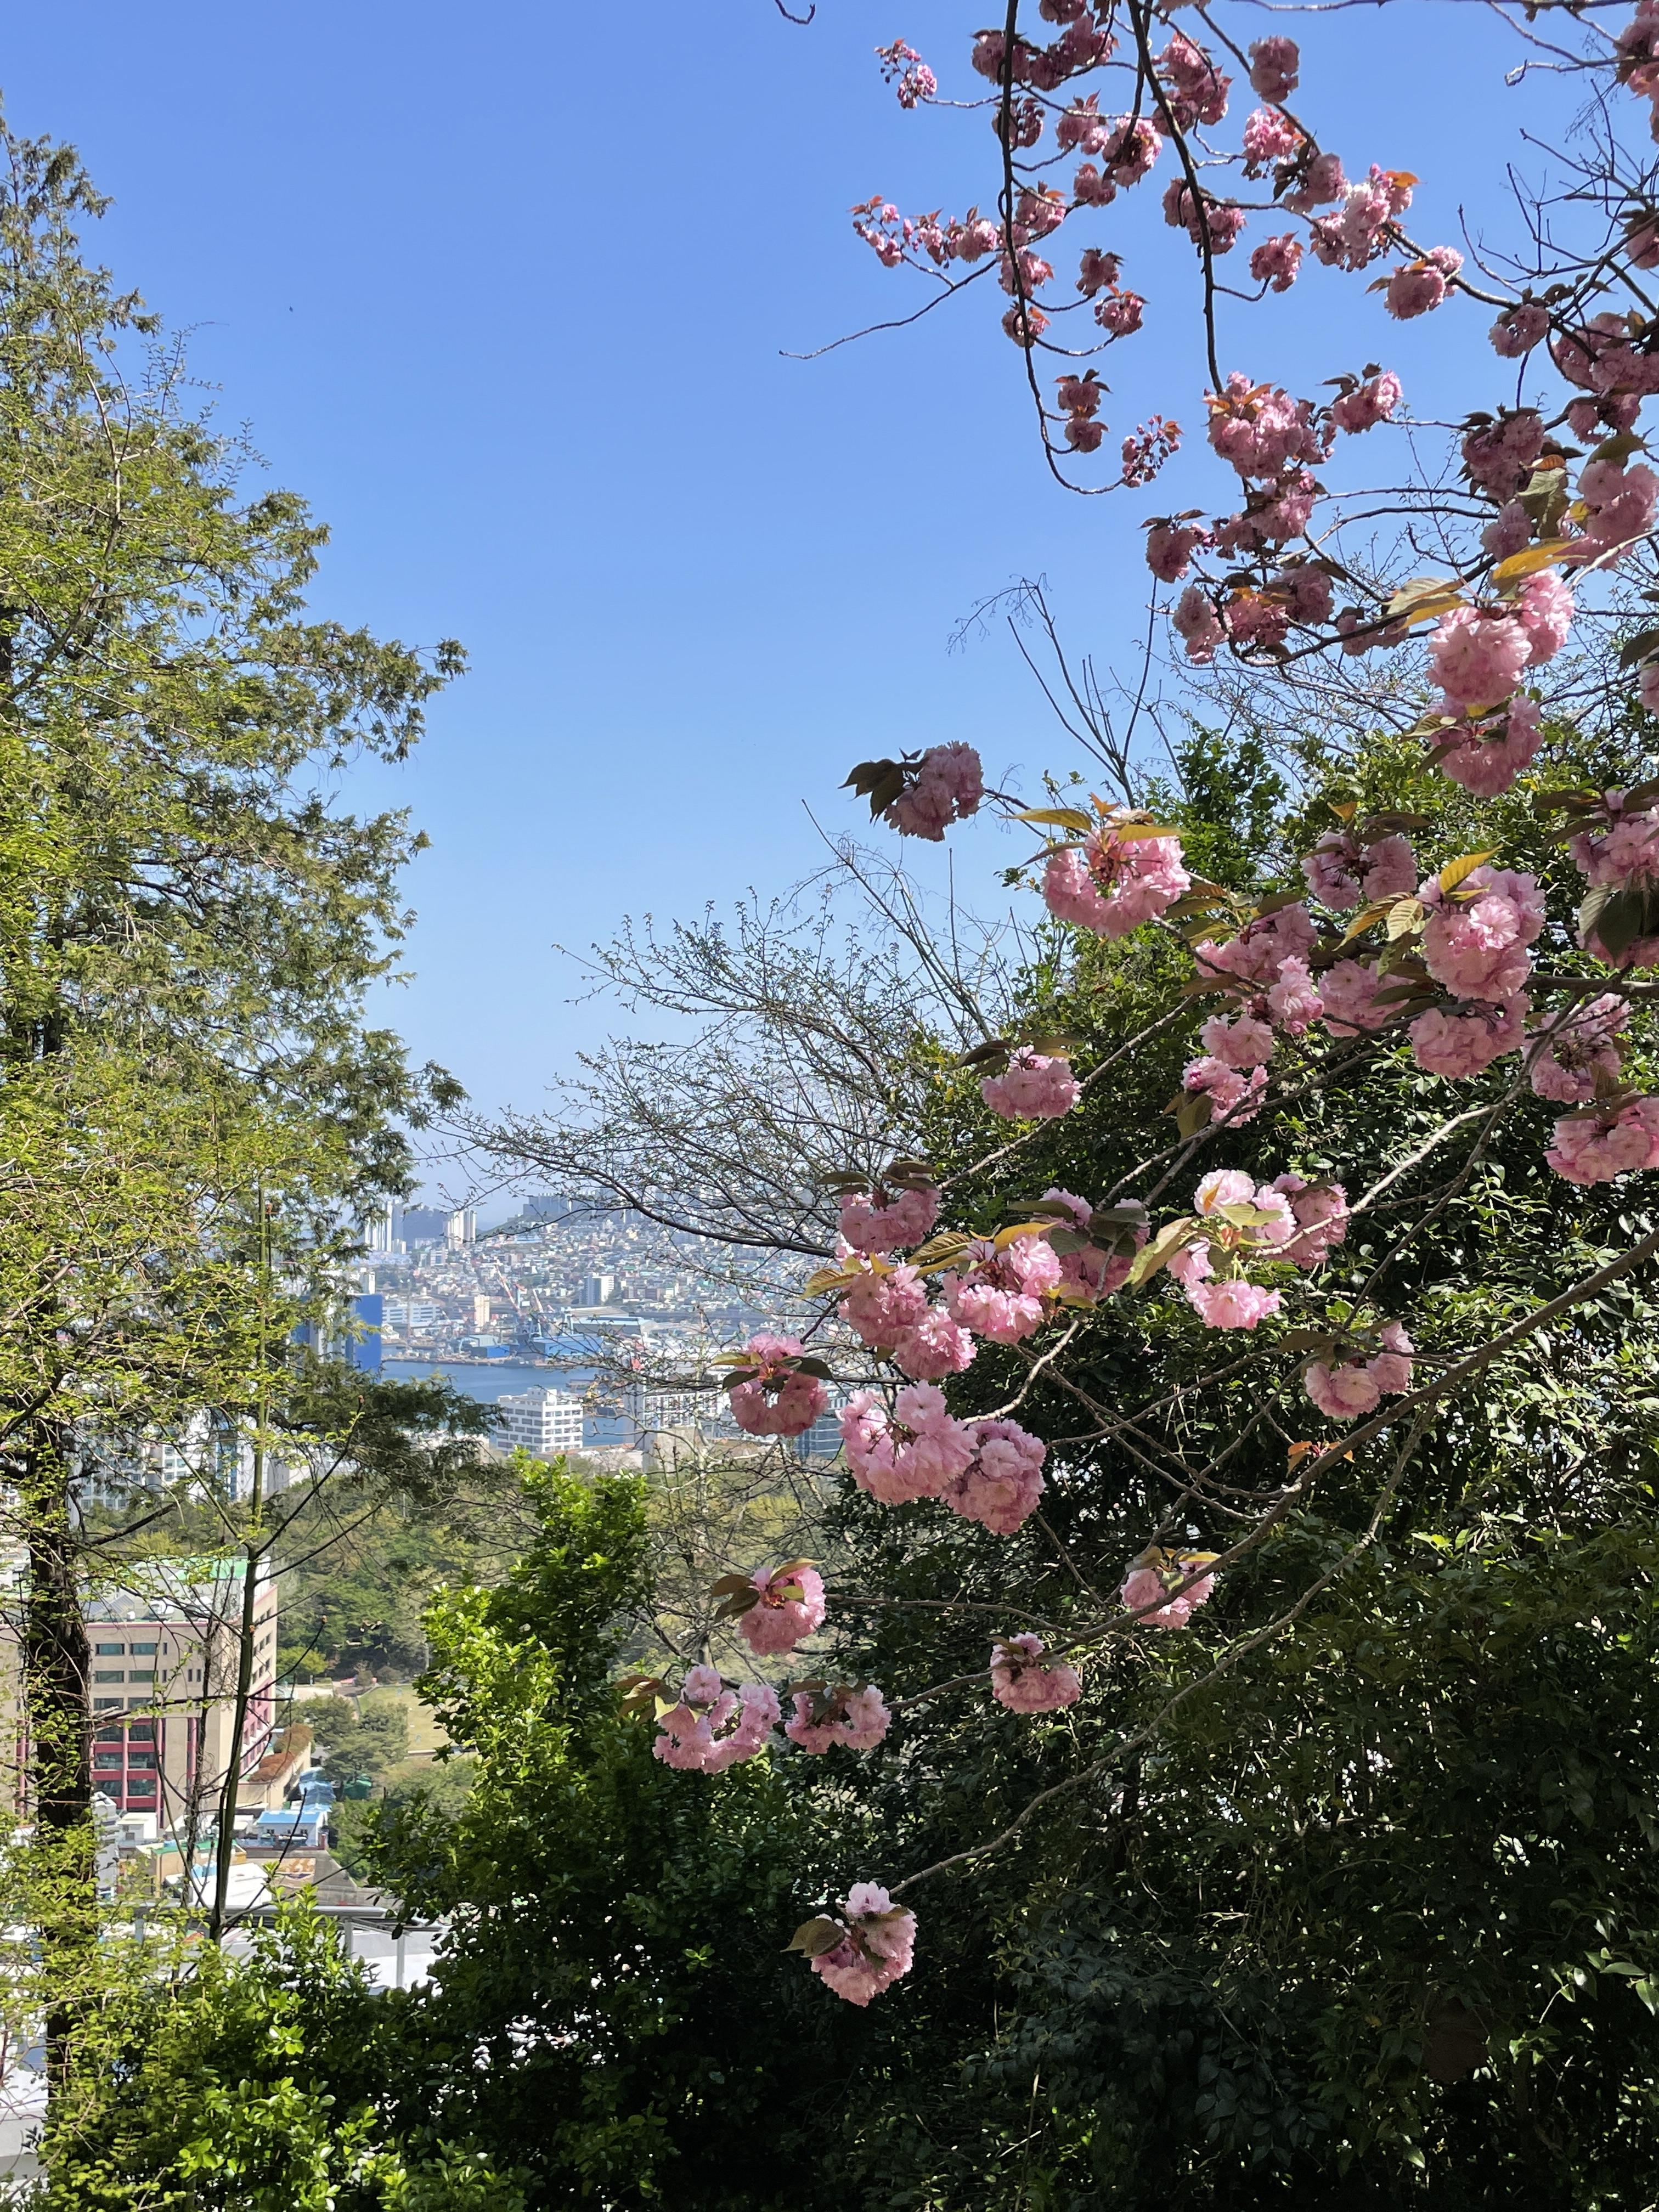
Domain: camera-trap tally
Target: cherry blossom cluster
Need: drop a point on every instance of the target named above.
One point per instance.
(1347, 1387)
(713, 1728)
(772, 1394)
(1024, 1680)
(1588, 327)
(987, 1471)
(1123, 874)
(1236, 1224)
(786, 1606)
(1165, 1589)
(865, 1948)
(1435, 965)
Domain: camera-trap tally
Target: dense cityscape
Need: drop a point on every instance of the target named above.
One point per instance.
(621, 1315)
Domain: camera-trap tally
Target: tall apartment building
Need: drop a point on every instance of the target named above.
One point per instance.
(163, 1670)
(543, 1422)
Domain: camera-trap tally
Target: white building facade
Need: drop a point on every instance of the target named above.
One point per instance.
(543, 1423)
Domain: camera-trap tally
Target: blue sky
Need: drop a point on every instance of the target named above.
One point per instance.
(504, 291)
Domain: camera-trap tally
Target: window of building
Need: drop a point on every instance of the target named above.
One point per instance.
(140, 1674)
(108, 1674)
(100, 1704)
(141, 1758)
(142, 1731)
(140, 1702)
(102, 1759)
(143, 1650)
(108, 1650)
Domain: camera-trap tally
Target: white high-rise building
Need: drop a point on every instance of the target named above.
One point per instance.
(544, 1422)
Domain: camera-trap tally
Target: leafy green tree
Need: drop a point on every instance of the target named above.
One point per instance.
(370, 1736)
(193, 1100)
(251, 2085)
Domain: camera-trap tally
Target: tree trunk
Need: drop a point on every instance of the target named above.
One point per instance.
(56, 1659)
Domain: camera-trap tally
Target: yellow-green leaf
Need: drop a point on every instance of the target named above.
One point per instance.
(1057, 817)
(1404, 916)
(1457, 871)
(1530, 559)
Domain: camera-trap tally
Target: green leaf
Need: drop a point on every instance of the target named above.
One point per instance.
(1162, 1249)
(816, 1936)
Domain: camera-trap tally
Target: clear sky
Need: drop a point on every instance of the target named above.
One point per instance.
(503, 290)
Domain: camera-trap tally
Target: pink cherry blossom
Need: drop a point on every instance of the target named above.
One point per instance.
(934, 1346)
(1235, 1098)
(1276, 261)
(1499, 456)
(1477, 655)
(1197, 624)
(1294, 1001)
(1120, 312)
(1000, 1294)
(856, 1718)
(1268, 137)
(1322, 182)
(1259, 950)
(790, 1607)
(1582, 1043)
(1621, 502)
(1260, 430)
(1206, 221)
(1340, 872)
(1275, 66)
(1025, 1682)
(1243, 1042)
(1508, 531)
(1131, 149)
(1035, 1087)
(882, 1308)
(1191, 1264)
(1223, 1186)
(1625, 855)
(1362, 227)
(1546, 608)
(1198, 90)
(710, 1728)
(1373, 402)
(1001, 1485)
(1320, 1210)
(1487, 760)
(776, 1399)
(914, 1452)
(1476, 946)
(1231, 1303)
(1144, 1586)
(1391, 1368)
(1420, 286)
(871, 1225)
(1597, 1147)
(1462, 1043)
(1116, 882)
(1350, 990)
(1518, 330)
(1342, 1391)
(1092, 1271)
(1307, 590)
(878, 1946)
(1170, 547)
(946, 786)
